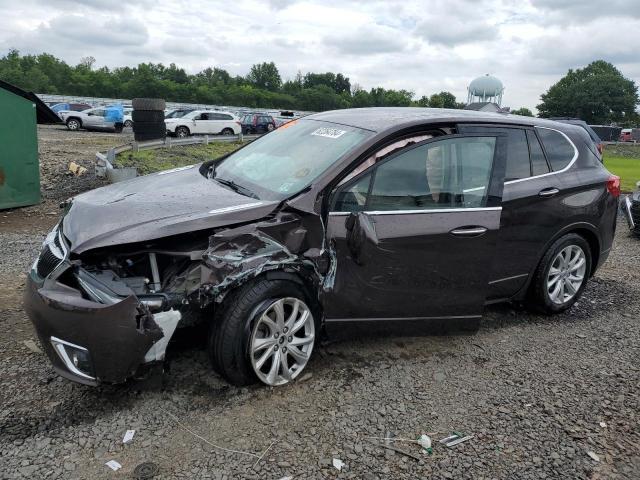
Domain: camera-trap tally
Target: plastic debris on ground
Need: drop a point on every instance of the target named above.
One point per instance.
(425, 442)
(128, 436)
(76, 169)
(455, 439)
(113, 465)
(338, 464)
(594, 456)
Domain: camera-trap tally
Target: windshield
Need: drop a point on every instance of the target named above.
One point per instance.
(290, 158)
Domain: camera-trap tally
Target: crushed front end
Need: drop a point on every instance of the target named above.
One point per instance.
(100, 321)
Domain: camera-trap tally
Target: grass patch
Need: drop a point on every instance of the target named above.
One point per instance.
(628, 169)
(623, 160)
(150, 161)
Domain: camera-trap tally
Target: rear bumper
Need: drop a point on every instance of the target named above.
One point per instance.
(117, 336)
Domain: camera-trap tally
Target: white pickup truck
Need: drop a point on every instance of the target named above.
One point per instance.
(203, 122)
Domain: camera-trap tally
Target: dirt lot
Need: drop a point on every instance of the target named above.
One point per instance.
(538, 393)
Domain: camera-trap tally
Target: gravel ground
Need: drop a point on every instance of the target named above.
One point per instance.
(538, 393)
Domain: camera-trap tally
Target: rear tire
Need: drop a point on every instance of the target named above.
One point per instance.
(227, 131)
(240, 328)
(128, 123)
(561, 276)
(151, 116)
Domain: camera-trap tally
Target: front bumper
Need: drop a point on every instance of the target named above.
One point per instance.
(116, 336)
(631, 209)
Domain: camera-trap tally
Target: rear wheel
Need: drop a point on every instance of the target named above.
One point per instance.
(562, 275)
(227, 131)
(270, 127)
(266, 332)
(128, 123)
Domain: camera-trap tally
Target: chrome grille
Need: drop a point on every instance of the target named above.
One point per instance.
(54, 250)
(47, 262)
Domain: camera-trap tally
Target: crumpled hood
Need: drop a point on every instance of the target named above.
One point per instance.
(155, 206)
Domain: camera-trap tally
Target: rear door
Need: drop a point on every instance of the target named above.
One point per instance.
(532, 209)
(414, 234)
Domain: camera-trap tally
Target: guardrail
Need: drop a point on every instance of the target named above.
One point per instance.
(105, 161)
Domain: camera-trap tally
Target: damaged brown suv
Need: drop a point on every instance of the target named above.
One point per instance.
(368, 214)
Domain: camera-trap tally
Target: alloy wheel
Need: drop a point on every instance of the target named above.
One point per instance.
(182, 133)
(282, 339)
(566, 274)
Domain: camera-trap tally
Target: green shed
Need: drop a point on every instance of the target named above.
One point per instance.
(19, 169)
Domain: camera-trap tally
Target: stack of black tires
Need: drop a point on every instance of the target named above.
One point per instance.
(148, 119)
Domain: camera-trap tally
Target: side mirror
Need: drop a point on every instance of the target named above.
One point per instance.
(90, 114)
(350, 221)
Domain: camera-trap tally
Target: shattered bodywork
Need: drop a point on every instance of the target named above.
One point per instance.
(125, 316)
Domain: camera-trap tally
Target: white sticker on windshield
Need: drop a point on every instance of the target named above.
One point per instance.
(328, 132)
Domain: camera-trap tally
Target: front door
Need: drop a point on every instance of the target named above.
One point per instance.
(414, 234)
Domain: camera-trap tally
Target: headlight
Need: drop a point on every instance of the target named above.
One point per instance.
(75, 358)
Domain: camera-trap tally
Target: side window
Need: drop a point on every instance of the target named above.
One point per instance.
(353, 197)
(450, 173)
(99, 113)
(559, 151)
(539, 164)
(517, 155)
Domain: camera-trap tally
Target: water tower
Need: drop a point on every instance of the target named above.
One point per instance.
(485, 89)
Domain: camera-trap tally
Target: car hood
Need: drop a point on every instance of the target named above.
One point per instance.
(155, 206)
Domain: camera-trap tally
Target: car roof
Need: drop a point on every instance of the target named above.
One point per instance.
(379, 119)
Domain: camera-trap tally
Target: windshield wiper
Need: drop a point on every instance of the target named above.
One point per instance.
(236, 188)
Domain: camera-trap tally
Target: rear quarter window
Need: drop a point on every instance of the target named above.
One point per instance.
(558, 149)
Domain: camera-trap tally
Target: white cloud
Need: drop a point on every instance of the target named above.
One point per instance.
(421, 46)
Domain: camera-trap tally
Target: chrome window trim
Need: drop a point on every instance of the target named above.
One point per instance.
(573, 160)
(408, 212)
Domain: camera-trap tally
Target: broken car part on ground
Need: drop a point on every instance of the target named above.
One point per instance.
(367, 214)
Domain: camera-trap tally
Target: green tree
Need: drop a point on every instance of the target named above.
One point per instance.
(265, 75)
(524, 111)
(598, 93)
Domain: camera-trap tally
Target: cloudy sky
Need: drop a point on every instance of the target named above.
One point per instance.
(421, 45)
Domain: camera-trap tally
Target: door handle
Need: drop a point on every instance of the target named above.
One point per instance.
(548, 192)
(468, 231)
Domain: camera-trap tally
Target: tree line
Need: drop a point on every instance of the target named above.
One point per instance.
(598, 93)
(262, 87)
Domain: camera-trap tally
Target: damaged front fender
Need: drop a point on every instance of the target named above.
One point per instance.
(290, 241)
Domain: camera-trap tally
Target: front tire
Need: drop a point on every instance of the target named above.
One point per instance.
(182, 132)
(561, 276)
(266, 332)
(128, 124)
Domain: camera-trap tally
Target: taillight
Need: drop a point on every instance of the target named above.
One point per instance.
(238, 123)
(600, 147)
(613, 185)
(255, 121)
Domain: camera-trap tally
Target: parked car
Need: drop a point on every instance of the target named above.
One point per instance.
(70, 107)
(127, 119)
(100, 118)
(203, 122)
(180, 112)
(376, 214)
(630, 135)
(598, 143)
(257, 123)
(631, 209)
